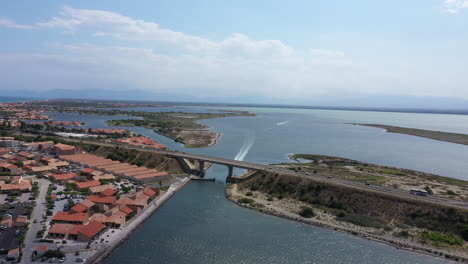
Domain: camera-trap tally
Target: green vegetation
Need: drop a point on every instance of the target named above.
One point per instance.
(402, 233)
(307, 212)
(126, 189)
(179, 126)
(450, 192)
(438, 238)
(245, 201)
(361, 220)
(428, 190)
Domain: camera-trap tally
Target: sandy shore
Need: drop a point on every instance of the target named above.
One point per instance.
(233, 194)
(106, 250)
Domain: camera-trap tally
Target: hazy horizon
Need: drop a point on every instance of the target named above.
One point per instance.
(349, 54)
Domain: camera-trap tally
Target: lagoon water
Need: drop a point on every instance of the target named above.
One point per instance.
(198, 225)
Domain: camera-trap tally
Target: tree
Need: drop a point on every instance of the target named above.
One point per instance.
(307, 212)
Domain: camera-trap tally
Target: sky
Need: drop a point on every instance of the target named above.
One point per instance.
(262, 51)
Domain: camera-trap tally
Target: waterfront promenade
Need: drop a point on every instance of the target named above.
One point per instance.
(117, 238)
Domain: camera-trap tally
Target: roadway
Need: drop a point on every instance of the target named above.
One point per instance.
(269, 168)
(325, 180)
(38, 211)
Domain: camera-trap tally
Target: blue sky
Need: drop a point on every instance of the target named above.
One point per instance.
(291, 50)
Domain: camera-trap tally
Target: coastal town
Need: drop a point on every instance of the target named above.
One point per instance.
(61, 204)
(73, 191)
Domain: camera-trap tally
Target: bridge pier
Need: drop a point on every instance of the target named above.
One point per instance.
(201, 168)
(230, 171)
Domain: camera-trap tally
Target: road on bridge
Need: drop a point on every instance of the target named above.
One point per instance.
(269, 168)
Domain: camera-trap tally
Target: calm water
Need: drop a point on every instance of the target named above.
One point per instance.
(198, 225)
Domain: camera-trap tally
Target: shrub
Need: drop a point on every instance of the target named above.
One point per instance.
(270, 198)
(245, 201)
(450, 192)
(428, 190)
(249, 194)
(464, 232)
(307, 212)
(403, 233)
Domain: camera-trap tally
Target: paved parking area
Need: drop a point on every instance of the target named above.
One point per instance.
(3, 198)
(25, 197)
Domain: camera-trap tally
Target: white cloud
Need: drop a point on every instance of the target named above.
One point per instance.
(234, 66)
(11, 24)
(454, 6)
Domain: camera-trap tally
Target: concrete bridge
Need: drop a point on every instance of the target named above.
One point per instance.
(186, 161)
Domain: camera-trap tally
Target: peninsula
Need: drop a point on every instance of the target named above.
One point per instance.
(436, 135)
(181, 127)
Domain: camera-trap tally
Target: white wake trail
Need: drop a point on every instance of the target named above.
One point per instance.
(249, 141)
(282, 123)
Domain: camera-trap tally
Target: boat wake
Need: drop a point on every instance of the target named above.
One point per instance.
(249, 141)
(282, 123)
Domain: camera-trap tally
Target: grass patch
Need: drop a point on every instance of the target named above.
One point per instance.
(440, 238)
(372, 179)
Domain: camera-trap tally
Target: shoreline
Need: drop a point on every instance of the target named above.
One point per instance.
(399, 245)
(456, 138)
(104, 252)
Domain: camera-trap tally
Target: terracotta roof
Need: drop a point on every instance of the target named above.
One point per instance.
(102, 200)
(63, 176)
(116, 218)
(59, 228)
(127, 210)
(91, 229)
(87, 170)
(128, 201)
(109, 192)
(83, 206)
(79, 208)
(69, 217)
(64, 146)
(98, 217)
(101, 188)
(87, 203)
(148, 191)
(84, 185)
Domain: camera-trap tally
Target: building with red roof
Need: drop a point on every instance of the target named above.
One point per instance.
(87, 171)
(63, 149)
(63, 177)
(83, 207)
(88, 232)
(103, 203)
(70, 218)
(87, 184)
